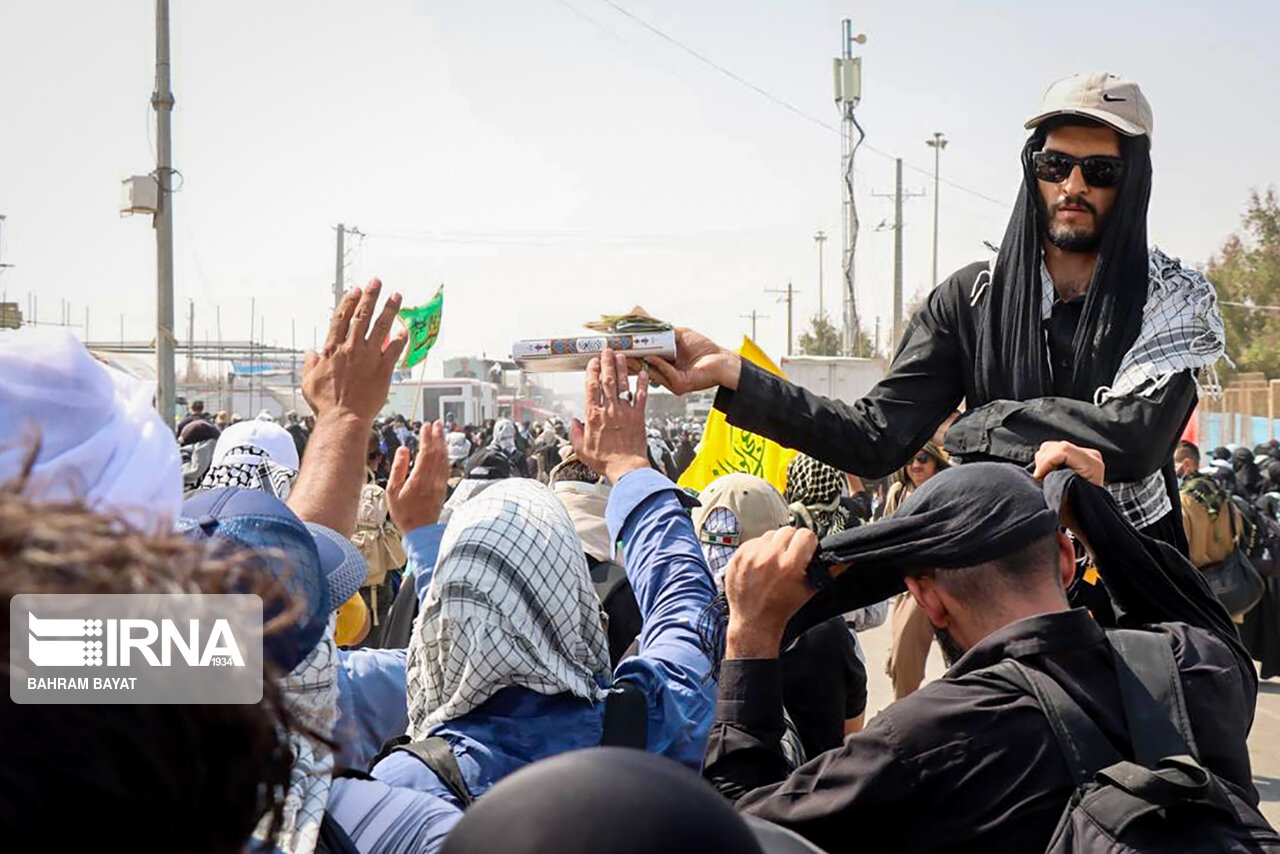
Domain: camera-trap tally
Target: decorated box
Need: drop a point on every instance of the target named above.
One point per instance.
(572, 354)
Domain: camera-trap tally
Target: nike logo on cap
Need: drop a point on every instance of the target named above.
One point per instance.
(1107, 97)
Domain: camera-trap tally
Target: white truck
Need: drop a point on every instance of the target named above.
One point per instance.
(464, 401)
(840, 377)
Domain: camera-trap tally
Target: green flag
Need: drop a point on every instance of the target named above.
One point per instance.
(424, 328)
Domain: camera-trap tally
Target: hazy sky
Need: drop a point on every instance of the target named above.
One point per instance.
(550, 160)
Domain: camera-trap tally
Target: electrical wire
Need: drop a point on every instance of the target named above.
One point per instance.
(787, 105)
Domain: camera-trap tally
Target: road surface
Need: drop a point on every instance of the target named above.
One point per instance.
(1264, 740)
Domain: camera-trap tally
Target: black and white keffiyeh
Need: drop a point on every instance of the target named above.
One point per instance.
(252, 469)
(1181, 330)
(813, 495)
(510, 603)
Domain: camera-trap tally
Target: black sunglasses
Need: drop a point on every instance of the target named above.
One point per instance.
(922, 458)
(1099, 170)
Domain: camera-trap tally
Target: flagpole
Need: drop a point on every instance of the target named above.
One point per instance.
(417, 394)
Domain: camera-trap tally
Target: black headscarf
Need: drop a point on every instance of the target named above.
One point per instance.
(1011, 362)
(602, 799)
(1248, 479)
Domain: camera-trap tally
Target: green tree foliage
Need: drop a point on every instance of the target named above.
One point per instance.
(1247, 270)
(821, 338)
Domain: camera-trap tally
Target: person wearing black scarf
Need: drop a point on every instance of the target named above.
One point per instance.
(1076, 331)
(968, 762)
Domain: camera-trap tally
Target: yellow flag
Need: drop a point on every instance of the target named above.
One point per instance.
(727, 449)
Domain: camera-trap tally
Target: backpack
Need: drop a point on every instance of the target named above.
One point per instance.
(1164, 800)
(1260, 538)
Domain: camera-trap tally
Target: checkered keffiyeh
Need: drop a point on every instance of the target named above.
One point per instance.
(311, 693)
(1181, 330)
(813, 495)
(510, 603)
(721, 535)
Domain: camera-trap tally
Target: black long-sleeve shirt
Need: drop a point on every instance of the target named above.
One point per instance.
(969, 763)
(931, 373)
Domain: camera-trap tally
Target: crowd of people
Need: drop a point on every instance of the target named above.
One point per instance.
(502, 637)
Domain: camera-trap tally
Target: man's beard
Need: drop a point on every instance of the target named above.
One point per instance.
(951, 650)
(1071, 239)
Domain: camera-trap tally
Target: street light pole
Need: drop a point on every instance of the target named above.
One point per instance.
(820, 238)
(938, 143)
(162, 102)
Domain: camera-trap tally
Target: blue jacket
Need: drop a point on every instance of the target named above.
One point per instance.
(407, 809)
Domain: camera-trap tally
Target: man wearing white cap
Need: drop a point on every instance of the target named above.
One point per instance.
(1078, 330)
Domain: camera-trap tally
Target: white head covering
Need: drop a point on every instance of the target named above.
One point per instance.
(265, 415)
(255, 455)
(100, 439)
(504, 435)
(459, 447)
(510, 603)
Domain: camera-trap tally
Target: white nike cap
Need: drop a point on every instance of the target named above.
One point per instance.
(1108, 98)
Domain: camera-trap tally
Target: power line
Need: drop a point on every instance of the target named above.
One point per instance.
(787, 105)
(1250, 306)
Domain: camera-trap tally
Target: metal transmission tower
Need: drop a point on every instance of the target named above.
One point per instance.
(340, 262)
(847, 70)
(938, 143)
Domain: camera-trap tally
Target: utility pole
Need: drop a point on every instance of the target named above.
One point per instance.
(3, 266)
(898, 195)
(191, 339)
(162, 103)
(820, 238)
(754, 315)
(789, 298)
(938, 143)
(339, 268)
(847, 70)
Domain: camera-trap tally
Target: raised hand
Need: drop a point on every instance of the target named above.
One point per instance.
(416, 498)
(611, 441)
(1085, 462)
(350, 376)
(765, 584)
(700, 364)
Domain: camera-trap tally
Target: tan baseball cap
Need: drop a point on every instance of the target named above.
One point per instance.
(1108, 98)
(758, 506)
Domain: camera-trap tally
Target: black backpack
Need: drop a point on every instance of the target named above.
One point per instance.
(1260, 538)
(1164, 800)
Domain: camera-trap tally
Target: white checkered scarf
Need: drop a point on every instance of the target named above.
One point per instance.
(311, 693)
(1181, 330)
(510, 603)
(264, 475)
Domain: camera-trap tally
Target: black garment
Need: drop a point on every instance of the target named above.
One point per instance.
(685, 453)
(1060, 331)
(931, 374)
(974, 755)
(1261, 630)
(963, 764)
(299, 434)
(198, 430)
(604, 799)
(190, 419)
(824, 683)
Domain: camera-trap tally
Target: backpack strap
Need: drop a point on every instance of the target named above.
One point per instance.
(626, 717)
(434, 752)
(1084, 747)
(1155, 708)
